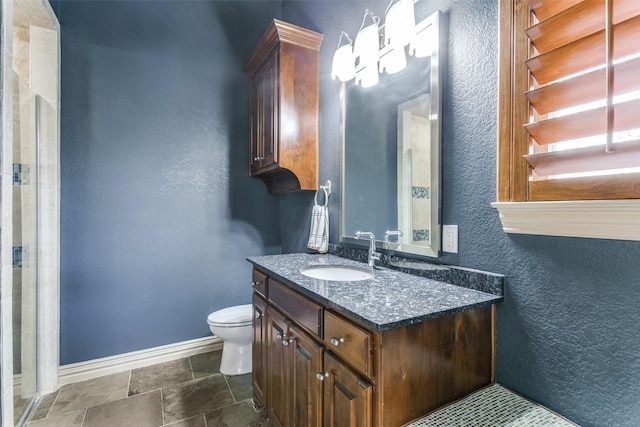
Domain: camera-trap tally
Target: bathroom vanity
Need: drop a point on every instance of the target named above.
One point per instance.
(375, 352)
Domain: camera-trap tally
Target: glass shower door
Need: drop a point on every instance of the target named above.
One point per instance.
(25, 247)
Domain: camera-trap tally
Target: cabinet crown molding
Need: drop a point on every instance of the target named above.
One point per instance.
(279, 32)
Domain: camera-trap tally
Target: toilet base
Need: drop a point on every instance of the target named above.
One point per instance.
(236, 358)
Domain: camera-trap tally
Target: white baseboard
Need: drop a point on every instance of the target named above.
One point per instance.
(90, 369)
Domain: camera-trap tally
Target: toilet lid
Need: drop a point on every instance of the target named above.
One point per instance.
(237, 315)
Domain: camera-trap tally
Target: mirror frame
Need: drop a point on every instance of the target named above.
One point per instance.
(435, 92)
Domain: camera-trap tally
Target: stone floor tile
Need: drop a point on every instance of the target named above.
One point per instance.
(197, 421)
(241, 386)
(92, 392)
(240, 414)
(67, 419)
(195, 397)
(141, 410)
(161, 375)
(206, 364)
(44, 406)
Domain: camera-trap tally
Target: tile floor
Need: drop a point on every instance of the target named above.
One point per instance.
(191, 392)
(494, 406)
(188, 392)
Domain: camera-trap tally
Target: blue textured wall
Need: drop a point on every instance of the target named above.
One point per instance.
(568, 333)
(158, 211)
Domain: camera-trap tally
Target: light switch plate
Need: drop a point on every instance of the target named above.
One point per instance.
(450, 238)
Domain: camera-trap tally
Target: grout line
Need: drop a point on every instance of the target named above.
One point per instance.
(193, 375)
(128, 384)
(84, 417)
(205, 420)
(229, 387)
(162, 405)
(54, 402)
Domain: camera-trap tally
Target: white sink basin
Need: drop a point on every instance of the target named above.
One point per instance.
(337, 273)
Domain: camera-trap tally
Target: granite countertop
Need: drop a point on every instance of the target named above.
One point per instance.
(391, 299)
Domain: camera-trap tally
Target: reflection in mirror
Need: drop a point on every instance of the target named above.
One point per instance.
(414, 172)
(391, 152)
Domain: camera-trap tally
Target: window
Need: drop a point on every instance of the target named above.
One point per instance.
(569, 117)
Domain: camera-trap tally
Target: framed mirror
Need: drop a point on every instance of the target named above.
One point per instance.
(390, 154)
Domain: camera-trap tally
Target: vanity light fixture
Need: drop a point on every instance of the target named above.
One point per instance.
(365, 58)
(421, 44)
(399, 24)
(366, 51)
(344, 63)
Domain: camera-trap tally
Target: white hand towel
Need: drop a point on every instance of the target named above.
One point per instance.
(319, 233)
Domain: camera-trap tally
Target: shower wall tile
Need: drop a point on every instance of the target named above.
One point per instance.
(44, 57)
(48, 360)
(17, 258)
(47, 256)
(21, 174)
(37, 16)
(48, 167)
(48, 215)
(21, 45)
(6, 304)
(6, 256)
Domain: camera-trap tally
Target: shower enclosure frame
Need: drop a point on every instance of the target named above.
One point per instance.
(43, 62)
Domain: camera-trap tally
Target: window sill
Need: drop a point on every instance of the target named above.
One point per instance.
(599, 219)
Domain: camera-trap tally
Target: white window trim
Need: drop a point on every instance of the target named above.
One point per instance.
(599, 219)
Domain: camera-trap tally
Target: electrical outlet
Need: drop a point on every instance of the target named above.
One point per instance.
(450, 238)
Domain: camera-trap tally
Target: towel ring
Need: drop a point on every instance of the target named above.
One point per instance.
(326, 196)
(327, 192)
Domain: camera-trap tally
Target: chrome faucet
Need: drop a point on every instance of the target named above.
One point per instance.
(373, 255)
(389, 233)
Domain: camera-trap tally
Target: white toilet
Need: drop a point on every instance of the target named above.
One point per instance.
(233, 326)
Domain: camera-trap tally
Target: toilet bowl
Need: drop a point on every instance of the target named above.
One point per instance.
(233, 326)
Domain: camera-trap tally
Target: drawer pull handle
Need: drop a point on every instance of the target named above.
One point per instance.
(336, 341)
(320, 376)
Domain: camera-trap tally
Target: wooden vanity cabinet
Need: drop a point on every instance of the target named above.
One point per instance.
(259, 350)
(283, 108)
(327, 369)
(347, 398)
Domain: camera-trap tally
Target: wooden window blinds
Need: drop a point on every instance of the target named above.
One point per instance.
(582, 101)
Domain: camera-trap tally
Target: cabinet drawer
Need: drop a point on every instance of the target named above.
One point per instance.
(300, 309)
(259, 282)
(348, 341)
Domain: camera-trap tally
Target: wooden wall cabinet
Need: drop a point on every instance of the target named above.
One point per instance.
(283, 108)
(326, 369)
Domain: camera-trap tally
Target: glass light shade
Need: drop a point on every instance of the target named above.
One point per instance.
(367, 76)
(344, 64)
(421, 45)
(399, 24)
(393, 60)
(366, 46)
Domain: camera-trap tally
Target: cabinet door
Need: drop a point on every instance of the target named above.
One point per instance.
(277, 373)
(259, 349)
(264, 115)
(347, 398)
(307, 379)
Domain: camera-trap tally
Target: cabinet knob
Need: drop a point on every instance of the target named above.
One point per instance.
(336, 341)
(255, 283)
(285, 342)
(320, 376)
(257, 159)
(258, 315)
(279, 336)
